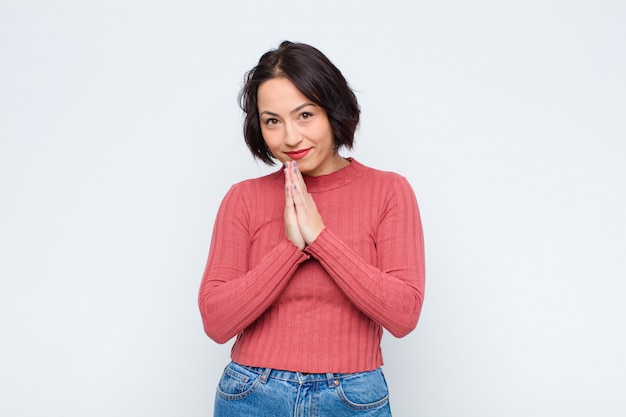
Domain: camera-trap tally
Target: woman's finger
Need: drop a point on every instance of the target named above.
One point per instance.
(308, 217)
(292, 229)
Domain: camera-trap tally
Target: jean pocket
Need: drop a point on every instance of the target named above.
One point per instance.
(364, 390)
(237, 382)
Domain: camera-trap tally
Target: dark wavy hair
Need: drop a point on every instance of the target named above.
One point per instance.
(316, 78)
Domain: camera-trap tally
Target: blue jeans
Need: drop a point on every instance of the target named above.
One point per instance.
(265, 392)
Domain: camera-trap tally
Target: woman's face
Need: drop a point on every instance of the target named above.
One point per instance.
(296, 129)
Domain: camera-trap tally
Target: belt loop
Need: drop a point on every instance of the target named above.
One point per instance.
(266, 375)
(332, 381)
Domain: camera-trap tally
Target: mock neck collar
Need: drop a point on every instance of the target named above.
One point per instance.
(328, 182)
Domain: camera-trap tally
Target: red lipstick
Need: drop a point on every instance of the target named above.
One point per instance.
(298, 154)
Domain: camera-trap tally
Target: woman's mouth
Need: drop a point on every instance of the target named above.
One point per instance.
(298, 154)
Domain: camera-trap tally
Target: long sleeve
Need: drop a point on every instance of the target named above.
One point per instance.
(233, 295)
(390, 293)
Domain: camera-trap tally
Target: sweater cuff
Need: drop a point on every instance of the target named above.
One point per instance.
(322, 241)
(295, 253)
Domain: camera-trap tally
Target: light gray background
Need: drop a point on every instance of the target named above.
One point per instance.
(120, 134)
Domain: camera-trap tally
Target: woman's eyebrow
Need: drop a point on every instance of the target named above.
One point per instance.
(300, 107)
(297, 109)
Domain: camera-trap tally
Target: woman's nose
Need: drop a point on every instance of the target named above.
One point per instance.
(292, 136)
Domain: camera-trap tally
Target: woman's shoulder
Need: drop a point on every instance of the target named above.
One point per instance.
(380, 175)
(391, 187)
(244, 195)
(258, 184)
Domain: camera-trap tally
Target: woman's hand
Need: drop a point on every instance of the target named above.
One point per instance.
(292, 230)
(303, 222)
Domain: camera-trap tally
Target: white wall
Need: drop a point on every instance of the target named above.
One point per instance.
(120, 133)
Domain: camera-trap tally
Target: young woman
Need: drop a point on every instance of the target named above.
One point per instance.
(308, 265)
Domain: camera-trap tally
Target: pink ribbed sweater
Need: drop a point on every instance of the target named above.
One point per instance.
(321, 309)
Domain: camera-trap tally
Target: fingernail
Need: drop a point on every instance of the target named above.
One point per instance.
(286, 164)
(294, 163)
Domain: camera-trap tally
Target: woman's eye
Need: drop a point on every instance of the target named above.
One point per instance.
(271, 122)
(306, 115)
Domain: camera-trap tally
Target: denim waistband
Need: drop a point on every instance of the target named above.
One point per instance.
(299, 377)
